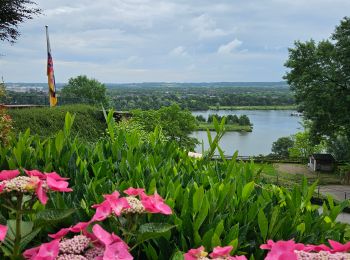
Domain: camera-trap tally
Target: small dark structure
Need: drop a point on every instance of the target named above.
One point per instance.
(323, 162)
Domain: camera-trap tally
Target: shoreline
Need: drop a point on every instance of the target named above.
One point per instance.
(291, 107)
(228, 127)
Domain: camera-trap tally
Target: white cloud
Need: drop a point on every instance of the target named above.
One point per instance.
(178, 51)
(167, 40)
(229, 47)
(206, 27)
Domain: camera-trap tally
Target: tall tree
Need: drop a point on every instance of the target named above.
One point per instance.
(320, 78)
(12, 13)
(81, 89)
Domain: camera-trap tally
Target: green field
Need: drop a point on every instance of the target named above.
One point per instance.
(253, 107)
(229, 127)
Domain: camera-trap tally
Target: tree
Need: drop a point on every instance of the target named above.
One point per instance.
(282, 145)
(84, 90)
(200, 118)
(176, 124)
(303, 146)
(12, 13)
(320, 78)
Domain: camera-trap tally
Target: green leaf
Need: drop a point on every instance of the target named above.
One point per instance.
(178, 255)
(201, 215)
(247, 190)
(49, 216)
(198, 199)
(26, 228)
(28, 238)
(263, 224)
(59, 141)
(152, 230)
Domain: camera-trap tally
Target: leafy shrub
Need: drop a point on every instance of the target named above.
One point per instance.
(213, 202)
(89, 124)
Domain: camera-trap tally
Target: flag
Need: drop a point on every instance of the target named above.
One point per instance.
(50, 73)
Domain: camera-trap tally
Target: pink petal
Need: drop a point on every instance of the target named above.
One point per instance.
(79, 227)
(60, 234)
(221, 251)
(31, 253)
(117, 251)
(119, 206)
(102, 235)
(336, 246)
(48, 251)
(57, 185)
(134, 192)
(41, 193)
(155, 204)
(3, 232)
(35, 173)
(56, 176)
(8, 174)
(103, 211)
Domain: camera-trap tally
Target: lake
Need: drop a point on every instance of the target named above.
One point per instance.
(268, 126)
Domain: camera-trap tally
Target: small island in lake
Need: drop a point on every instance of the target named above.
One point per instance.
(232, 123)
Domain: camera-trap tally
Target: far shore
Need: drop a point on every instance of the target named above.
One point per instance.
(291, 107)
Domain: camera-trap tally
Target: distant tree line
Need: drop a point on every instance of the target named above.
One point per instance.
(230, 119)
(146, 96)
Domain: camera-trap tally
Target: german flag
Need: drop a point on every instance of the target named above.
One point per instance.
(50, 73)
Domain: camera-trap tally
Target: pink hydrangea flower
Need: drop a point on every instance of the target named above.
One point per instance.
(8, 174)
(196, 253)
(61, 233)
(3, 232)
(134, 191)
(155, 204)
(281, 250)
(115, 247)
(221, 251)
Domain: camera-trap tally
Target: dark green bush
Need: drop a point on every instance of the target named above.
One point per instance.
(46, 122)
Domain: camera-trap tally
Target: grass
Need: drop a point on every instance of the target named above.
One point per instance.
(228, 127)
(89, 123)
(273, 173)
(287, 107)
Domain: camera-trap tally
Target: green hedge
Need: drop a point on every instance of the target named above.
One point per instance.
(46, 122)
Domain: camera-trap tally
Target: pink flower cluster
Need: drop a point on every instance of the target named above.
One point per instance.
(35, 181)
(219, 253)
(295, 251)
(98, 245)
(117, 205)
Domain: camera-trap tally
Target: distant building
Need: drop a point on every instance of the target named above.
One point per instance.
(323, 162)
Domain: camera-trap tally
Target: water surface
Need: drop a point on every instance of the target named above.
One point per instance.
(268, 126)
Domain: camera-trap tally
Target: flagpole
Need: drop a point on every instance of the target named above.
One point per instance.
(50, 72)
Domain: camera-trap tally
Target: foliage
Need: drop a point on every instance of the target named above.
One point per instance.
(213, 202)
(89, 124)
(85, 90)
(320, 78)
(201, 118)
(12, 13)
(231, 119)
(282, 145)
(303, 147)
(5, 127)
(339, 147)
(176, 124)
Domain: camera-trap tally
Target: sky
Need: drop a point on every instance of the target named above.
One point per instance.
(120, 41)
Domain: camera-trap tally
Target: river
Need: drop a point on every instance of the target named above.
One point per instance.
(268, 126)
